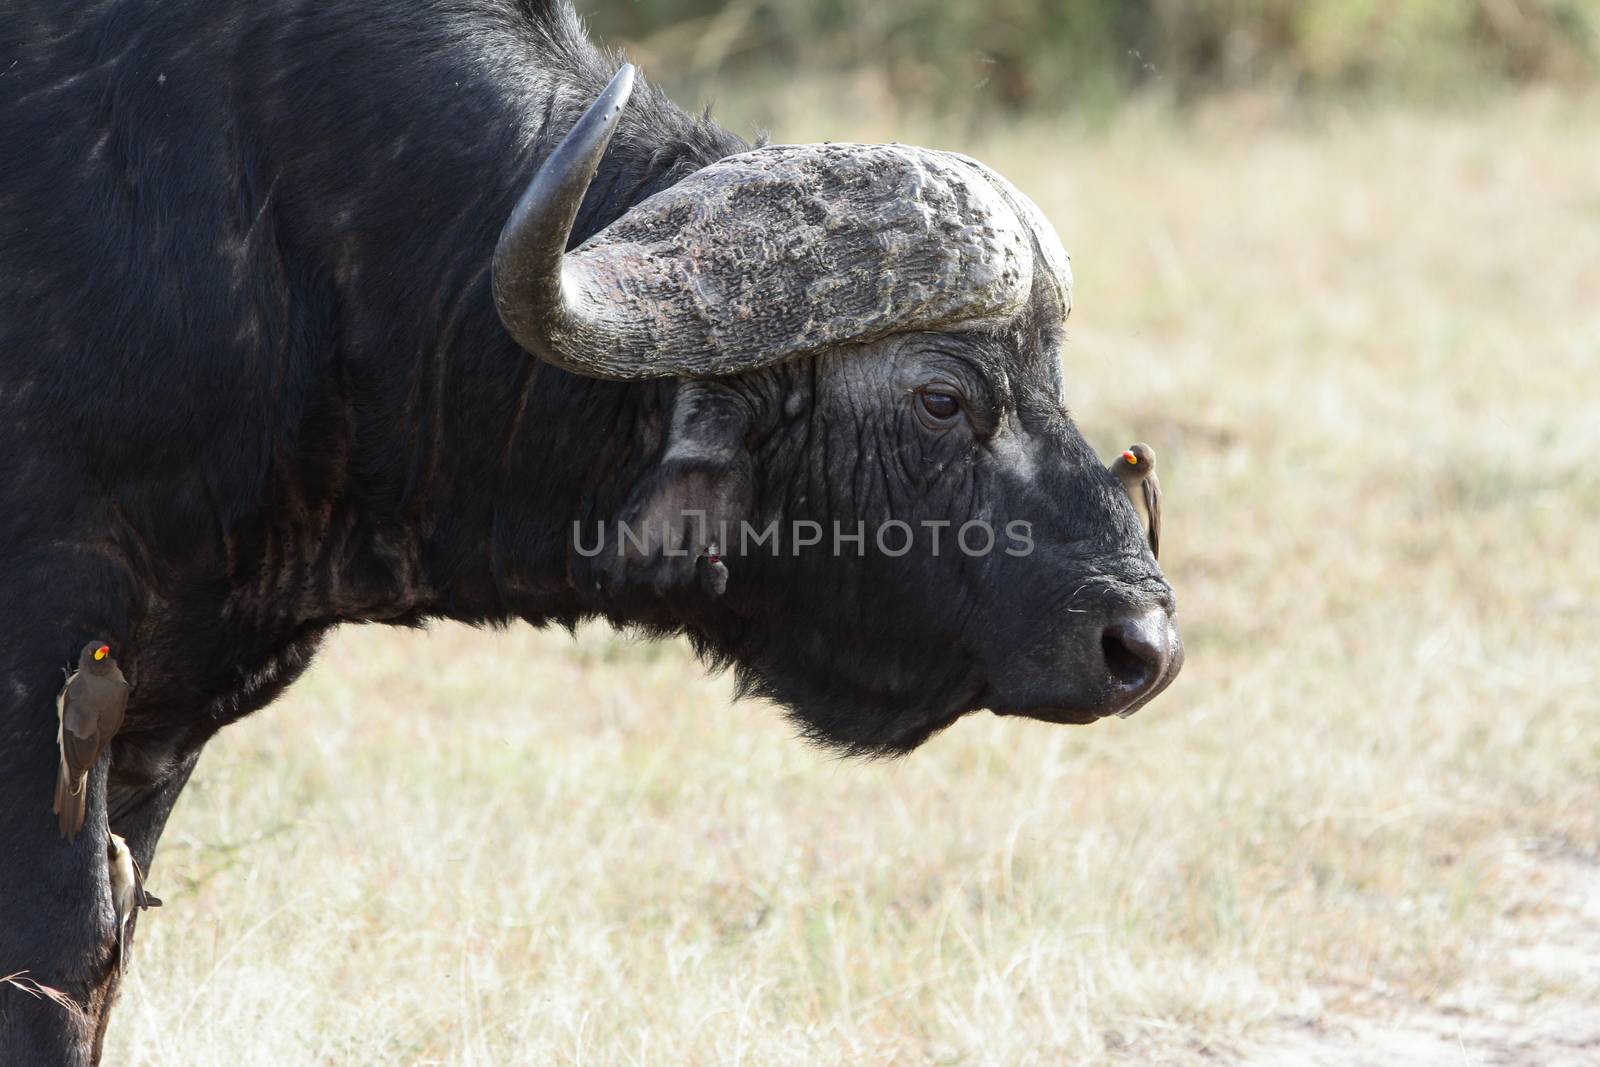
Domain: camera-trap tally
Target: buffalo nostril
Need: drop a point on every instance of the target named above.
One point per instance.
(1136, 649)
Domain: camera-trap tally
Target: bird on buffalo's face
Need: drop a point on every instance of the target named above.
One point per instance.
(1135, 468)
(127, 890)
(89, 709)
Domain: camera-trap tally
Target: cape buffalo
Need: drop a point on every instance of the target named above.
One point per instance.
(364, 311)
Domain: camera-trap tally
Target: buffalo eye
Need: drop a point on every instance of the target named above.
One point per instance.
(938, 406)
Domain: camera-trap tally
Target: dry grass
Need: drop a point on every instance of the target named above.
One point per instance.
(1368, 350)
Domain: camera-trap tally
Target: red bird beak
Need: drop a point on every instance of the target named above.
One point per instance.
(1130, 457)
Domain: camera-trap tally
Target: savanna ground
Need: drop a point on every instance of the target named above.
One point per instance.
(1363, 827)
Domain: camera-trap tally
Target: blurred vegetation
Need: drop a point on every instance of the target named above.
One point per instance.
(975, 56)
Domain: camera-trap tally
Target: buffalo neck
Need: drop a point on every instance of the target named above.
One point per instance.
(438, 468)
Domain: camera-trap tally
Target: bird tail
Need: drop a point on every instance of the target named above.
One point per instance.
(142, 896)
(71, 802)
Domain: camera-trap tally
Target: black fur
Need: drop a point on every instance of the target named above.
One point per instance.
(252, 385)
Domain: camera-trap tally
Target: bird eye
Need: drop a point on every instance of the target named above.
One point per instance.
(940, 405)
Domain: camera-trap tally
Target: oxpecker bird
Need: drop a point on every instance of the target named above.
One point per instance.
(1136, 470)
(127, 890)
(90, 711)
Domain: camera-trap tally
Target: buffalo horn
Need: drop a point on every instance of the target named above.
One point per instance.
(768, 255)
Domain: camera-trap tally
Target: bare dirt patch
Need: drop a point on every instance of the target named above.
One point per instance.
(1556, 957)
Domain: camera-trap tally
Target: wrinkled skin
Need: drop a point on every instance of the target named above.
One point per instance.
(934, 637)
(875, 652)
(253, 385)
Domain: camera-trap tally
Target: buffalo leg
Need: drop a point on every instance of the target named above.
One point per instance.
(56, 919)
(140, 817)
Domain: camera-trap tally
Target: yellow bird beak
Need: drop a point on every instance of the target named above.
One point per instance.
(102, 652)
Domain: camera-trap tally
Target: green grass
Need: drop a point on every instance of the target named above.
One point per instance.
(1368, 350)
(1087, 55)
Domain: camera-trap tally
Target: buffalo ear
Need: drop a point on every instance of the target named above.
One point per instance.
(681, 515)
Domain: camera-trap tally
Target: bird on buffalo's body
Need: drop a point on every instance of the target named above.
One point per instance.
(1135, 468)
(90, 709)
(127, 890)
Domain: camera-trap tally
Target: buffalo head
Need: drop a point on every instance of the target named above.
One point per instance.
(868, 431)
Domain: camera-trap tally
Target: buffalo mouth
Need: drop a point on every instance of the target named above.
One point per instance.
(1053, 713)
(855, 714)
(1122, 692)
